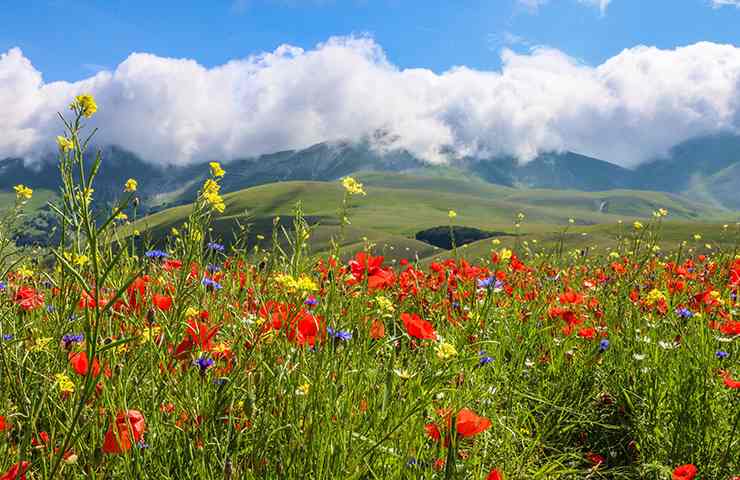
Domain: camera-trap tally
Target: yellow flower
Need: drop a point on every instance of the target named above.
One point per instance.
(85, 104)
(655, 296)
(40, 344)
(216, 169)
(22, 192)
(352, 186)
(505, 254)
(24, 272)
(121, 216)
(452, 214)
(131, 185)
(306, 284)
(385, 304)
(65, 384)
(496, 241)
(697, 237)
(303, 389)
(150, 334)
(638, 225)
(64, 143)
(445, 351)
(191, 312)
(663, 212)
(81, 260)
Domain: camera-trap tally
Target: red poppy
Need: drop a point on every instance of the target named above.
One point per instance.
(128, 426)
(16, 472)
(80, 363)
(28, 299)
(595, 458)
(589, 333)
(418, 328)
(162, 302)
(377, 330)
(4, 425)
(469, 424)
(684, 472)
(729, 381)
(433, 431)
(495, 474)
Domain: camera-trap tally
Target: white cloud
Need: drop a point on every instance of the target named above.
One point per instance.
(724, 3)
(630, 108)
(602, 4)
(534, 5)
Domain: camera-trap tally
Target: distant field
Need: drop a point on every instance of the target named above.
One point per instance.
(397, 206)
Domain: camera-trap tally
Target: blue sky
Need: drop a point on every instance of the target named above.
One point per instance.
(187, 81)
(70, 39)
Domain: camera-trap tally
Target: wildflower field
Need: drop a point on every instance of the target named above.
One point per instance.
(198, 360)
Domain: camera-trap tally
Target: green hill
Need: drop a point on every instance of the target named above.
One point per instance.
(397, 206)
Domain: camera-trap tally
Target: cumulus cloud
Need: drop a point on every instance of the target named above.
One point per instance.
(631, 108)
(724, 3)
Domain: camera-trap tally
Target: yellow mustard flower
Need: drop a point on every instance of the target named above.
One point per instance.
(445, 351)
(85, 104)
(216, 169)
(65, 384)
(352, 186)
(131, 185)
(22, 192)
(64, 143)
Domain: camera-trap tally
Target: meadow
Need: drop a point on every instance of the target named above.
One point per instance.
(169, 347)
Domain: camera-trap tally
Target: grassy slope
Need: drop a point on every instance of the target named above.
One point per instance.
(399, 205)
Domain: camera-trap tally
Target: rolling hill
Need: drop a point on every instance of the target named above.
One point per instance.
(398, 206)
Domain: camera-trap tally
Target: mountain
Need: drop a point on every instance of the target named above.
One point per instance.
(705, 169)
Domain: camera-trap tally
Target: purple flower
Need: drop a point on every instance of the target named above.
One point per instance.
(486, 282)
(603, 345)
(209, 283)
(684, 312)
(2, 286)
(341, 335)
(212, 268)
(484, 358)
(216, 247)
(71, 338)
(311, 301)
(8, 337)
(721, 354)
(156, 254)
(203, 363)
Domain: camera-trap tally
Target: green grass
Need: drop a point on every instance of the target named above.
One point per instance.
(399, 205)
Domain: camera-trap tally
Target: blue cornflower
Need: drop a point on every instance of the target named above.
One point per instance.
(50, 308)
(2, 286)
(311, 301)
(142, 445)
(216, 247)
(484, 358)
(684, 312)
(411, 462)
(721, 354)
(8, 337)
(219, 381)
(203, 363)
(603, 345)
(71, 338)
(342, 335)
(210, 283)
(486, 282)
(156, 254)
(212, 268)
